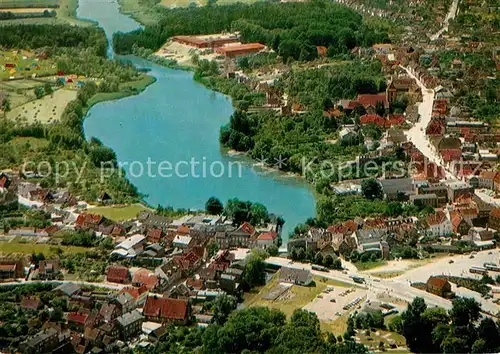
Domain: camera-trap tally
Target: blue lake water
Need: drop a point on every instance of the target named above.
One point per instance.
(175, 122)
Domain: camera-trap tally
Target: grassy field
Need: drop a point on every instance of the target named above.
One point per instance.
(370, 265)
(28, 3)
(7, 248)
(44, 110)
(387, 275)
(66, 12)
(300, 296)
(119, 213)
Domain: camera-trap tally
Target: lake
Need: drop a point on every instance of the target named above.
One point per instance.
(167, 138)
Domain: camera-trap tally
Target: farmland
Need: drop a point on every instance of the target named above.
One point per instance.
(44, 110)
(4, 4)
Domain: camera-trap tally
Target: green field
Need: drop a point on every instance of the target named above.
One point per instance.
(300, 296)
(7, 248)
(117, 213)
(28, 3)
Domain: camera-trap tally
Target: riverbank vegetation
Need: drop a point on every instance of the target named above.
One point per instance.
(335, 27)
(80, 52)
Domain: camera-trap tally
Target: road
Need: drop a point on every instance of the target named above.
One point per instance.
(111, 286)
(449, 16)
(417, 133)
(400, 287)
(396, 288)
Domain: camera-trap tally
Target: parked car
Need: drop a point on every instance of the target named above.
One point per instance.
(451, 261)
(333, 300)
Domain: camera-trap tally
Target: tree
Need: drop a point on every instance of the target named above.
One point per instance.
(223, 305)
(337, 264)
(39, 92)
(464, 311)
(328, 261)
(214, 206)
(254, 273)
(371, 189)
(413, 324)
(318, 259)
(273, 250)
(47, 88)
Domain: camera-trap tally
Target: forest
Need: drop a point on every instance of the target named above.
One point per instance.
(53, 36)
(462, 329)
(257, 330)
(292, 29)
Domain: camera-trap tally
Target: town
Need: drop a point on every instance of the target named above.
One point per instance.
(392, 121)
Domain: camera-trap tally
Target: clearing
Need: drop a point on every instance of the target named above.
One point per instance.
(294, 297)
(17, 247)
(118, 213)
(44, 110)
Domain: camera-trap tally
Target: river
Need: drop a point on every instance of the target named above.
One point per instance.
(174, 124)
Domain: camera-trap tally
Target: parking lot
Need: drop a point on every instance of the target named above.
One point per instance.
(328, 310)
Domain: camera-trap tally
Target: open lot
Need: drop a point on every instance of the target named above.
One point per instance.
(295, 297)
(326, 310)
(118, 213)
(17, 247)
(45, 110)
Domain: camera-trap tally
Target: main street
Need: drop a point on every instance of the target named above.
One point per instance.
(417, 133)
(449, 16)
(400, 287)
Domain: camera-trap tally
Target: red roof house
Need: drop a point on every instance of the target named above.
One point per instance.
(167, 310)
(117, 274)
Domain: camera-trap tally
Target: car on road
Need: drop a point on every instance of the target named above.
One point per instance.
(451, 261)
(333, 300)
(471, 256)
(490, 252)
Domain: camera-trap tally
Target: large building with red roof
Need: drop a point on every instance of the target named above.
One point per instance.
(167, 310)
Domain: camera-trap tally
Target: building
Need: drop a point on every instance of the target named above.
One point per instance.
(395, 188)
(438, 286)
(423, 200)
(482, 236)
(117, 274)
(42, 342)
(167, 310)
(48, 269)
(459, 224)
(438, 224)
(494, 218)
(458, 189)
(131, 247)
(183, 242)
(130, 324)
(235, 50)
(266, 239)
(11, 268)
(205, 43)
(295, 276)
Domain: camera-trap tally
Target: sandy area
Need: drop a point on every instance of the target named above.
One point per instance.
(44, 110)
(182, 53)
